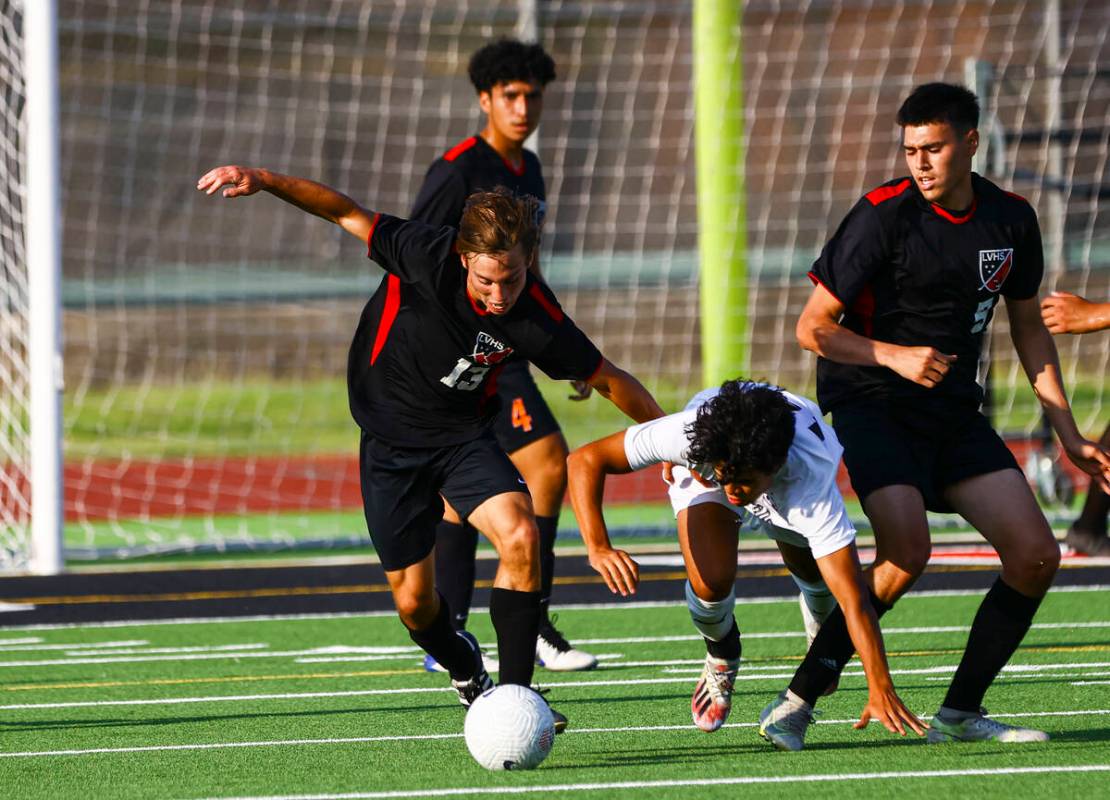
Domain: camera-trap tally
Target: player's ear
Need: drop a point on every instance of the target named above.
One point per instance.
(973, 140)
(485, 101)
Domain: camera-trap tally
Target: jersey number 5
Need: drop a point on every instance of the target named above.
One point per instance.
(982, 311)
(466, 376)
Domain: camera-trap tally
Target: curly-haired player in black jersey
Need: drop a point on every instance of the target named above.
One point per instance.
(904, 292)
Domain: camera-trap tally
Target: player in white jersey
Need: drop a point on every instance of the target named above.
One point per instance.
(754, 453)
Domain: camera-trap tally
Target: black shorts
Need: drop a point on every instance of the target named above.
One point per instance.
(930, 447)
(524, 416)
(401, 488)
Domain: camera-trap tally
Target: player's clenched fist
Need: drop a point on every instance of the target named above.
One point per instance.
(240, 181)
(925, 366)
(1064, 312)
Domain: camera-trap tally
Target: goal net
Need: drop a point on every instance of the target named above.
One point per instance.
(206, 339)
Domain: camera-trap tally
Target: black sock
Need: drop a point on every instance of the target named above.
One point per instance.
(445, 645)
(828, 654)
(455, 548)
(516, 618)
(729, 645)
(547, 526)
(1001, 623)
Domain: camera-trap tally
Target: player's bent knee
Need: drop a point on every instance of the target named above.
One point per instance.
(519, 544)
(415, 611)
(711, 589)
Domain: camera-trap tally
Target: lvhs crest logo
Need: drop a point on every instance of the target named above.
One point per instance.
(994, 266)
(489, 351)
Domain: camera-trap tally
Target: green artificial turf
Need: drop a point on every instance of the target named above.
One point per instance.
(333, 705)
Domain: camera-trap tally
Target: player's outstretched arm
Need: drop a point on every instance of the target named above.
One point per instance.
(625, 392)
(842, 574)
(1039, 359)
(1064, 312)
(586, 470)
(819, 330)
(315, 198)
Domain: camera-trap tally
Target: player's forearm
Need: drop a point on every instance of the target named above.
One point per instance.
(586, 488)
(315, 198)
(626, 393)
(1041, 363)
(833, 341)
(844, 577)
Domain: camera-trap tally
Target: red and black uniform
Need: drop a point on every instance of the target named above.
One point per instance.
(421, 376)
(472, 166)
(911, 273)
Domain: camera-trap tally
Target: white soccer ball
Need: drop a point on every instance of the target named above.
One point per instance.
(509, 727)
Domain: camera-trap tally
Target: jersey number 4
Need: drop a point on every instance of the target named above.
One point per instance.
(466, 376)
(521, 418)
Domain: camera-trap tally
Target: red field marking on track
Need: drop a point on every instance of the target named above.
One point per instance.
(130, 489)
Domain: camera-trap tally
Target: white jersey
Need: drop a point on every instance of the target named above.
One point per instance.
(803, 505)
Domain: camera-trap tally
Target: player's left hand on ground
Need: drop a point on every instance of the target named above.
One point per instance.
(618, 568)
(1064, 312)
(887, 708)
(241, 181)
(582, 390)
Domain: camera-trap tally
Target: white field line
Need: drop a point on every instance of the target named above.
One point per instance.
(70, 646)
(632, 604)
(747, 780)
(426, 736)
(87, 654)
(1091, 683)
(170, 701)
(24, 640)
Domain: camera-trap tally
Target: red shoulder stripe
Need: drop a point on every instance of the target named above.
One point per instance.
(884, 193)
(460, 148)
(553, 310)
(370, 236)
(1018, 197)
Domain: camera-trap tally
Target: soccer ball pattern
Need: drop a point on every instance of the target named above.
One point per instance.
(509, 727)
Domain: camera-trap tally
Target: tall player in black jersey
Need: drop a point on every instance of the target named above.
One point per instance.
(421, 376)
(904, 291)
(509, 78)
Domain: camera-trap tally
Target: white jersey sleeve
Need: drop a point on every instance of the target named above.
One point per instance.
(659, 440)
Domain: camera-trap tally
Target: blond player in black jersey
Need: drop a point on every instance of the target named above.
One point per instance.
(904, 291)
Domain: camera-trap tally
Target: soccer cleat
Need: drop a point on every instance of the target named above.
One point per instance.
(431, 665)
(559, 718)
(813, 627)
(712, 698)
(784, 721)
(470, 688)
(554, 652)
(980, 728)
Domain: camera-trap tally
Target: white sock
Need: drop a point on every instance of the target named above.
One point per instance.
(818, 598)
(713, 619)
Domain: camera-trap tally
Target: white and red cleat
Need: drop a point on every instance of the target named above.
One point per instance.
(712, 698)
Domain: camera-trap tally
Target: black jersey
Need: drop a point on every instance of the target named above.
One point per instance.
(423, 365)
(472, 166)
(911, 273)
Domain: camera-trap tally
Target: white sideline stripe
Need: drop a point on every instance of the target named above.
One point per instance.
(183, 656)
(426, 736)
(71, 646)
(1091, 683)
(423, 689)
(747, 780)
(92, 651)
(24, 640)
(790, 598)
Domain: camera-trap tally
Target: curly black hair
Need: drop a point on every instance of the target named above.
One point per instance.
(941, 102)
(746, 427)
(507, 60)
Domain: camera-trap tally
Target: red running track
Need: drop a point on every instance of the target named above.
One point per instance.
(128, 489)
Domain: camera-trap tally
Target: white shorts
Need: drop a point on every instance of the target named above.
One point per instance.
(686, 492)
